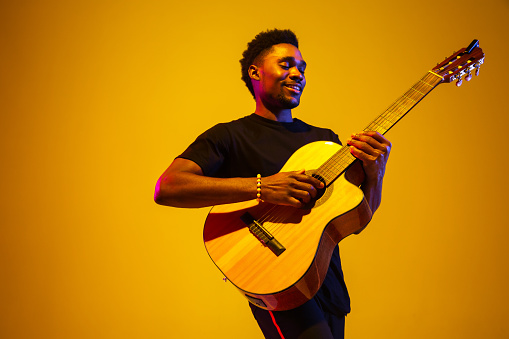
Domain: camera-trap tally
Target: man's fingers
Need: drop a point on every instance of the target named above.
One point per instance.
(378, 137)
(309, 179)
(362, 150)
(374, 139)
(291, 188)
(303, 195)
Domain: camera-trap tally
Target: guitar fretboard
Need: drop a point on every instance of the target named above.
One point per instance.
(339, 162)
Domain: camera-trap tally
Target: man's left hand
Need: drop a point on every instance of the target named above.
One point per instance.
(373, 149)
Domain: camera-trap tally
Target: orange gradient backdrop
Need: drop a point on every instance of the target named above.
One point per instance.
(98, 97)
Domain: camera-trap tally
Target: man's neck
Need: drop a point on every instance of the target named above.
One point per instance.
(284, 115)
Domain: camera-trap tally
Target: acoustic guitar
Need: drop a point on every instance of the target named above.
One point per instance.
(278, 256)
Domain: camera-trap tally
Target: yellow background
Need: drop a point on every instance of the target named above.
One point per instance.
(98, 97)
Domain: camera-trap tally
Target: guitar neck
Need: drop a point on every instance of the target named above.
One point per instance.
(405, 103)
(340, 161)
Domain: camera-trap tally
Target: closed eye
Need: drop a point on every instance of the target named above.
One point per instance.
(288, 62)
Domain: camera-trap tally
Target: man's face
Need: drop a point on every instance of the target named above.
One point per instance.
(282, 77)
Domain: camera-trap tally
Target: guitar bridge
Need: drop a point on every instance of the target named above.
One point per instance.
(262, 234)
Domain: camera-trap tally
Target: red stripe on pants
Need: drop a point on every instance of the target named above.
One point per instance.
(277, 326)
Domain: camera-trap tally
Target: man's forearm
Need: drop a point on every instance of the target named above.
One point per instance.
(183, 189)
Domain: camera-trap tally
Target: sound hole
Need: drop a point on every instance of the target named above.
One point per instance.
(322, 194)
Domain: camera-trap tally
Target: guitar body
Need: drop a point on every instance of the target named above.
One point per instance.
(287, 280)
(278, 256)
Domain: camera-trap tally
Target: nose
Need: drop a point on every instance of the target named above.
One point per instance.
(295, 74)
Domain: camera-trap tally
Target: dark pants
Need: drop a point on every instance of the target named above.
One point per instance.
(306, 321)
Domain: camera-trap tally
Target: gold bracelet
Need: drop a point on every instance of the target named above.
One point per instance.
(259, 188)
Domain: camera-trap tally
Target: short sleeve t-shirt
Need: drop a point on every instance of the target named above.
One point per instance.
(254, 145)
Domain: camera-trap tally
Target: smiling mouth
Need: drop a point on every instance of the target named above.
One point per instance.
(294, 88)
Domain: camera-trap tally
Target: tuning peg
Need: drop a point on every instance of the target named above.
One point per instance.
(477, 67)
(459, 82)
(469, 76)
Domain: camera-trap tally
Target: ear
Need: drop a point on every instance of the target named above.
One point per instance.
(254, 72)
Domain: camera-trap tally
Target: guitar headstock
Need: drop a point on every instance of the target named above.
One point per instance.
(461, 63)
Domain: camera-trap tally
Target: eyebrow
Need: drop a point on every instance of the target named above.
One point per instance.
(292, 59)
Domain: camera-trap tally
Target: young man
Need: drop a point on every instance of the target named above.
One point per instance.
(221, 166)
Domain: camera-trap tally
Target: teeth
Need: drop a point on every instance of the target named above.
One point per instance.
(297, 88)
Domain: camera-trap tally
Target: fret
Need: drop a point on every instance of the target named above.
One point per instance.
(418, 91)
(425, 83)
(404, 102)
(409, 97)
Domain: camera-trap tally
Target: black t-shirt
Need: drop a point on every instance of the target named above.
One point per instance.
(252, 145)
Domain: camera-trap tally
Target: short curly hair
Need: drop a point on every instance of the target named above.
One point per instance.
(260, 46)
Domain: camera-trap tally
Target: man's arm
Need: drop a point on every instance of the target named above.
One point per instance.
(184, 185)
(372, 149)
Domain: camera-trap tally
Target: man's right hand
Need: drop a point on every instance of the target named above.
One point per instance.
(290, 188)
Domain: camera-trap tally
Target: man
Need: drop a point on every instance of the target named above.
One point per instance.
(222, 164)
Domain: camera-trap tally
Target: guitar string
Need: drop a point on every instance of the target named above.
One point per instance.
(387, 119)
(278, 221)
(379, 125)
(334, 166)
(399, 108)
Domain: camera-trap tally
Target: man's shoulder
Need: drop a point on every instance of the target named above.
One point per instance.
(236, 122)
(224, 130)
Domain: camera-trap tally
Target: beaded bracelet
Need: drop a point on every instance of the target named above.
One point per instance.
(259, 188)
